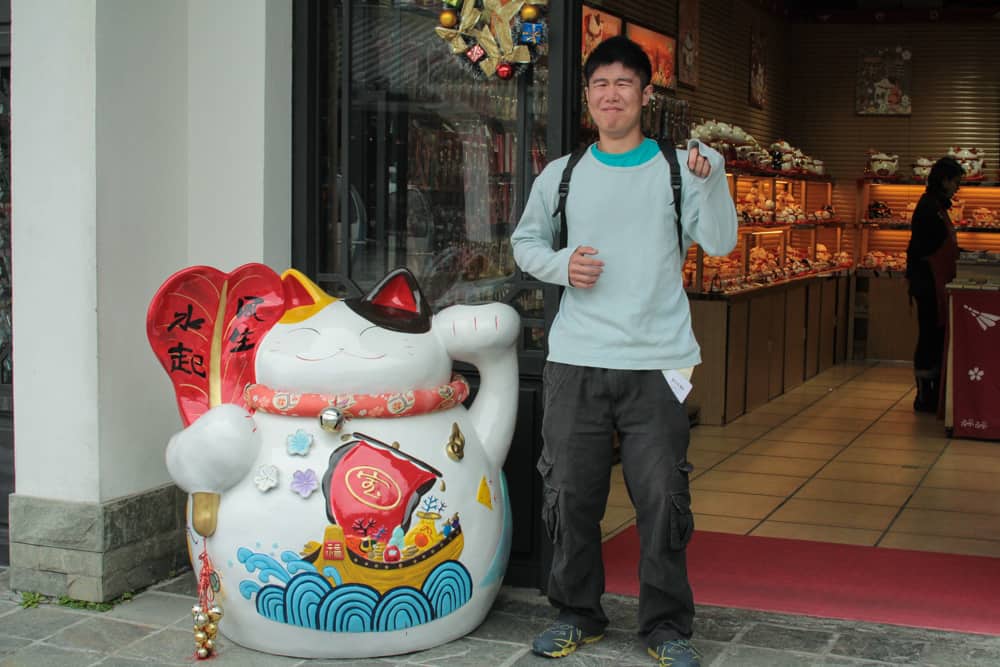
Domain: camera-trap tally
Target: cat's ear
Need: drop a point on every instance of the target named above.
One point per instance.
(396, 303)
(303, 297)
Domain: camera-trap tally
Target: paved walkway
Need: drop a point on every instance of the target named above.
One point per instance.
(154, 628)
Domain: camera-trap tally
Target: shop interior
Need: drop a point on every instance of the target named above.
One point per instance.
(829, 118)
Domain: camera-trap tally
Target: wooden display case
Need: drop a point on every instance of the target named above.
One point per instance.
(760, 343)
(763, 332)
(773, 245)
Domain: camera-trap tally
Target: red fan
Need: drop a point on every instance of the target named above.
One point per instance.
(205, 326)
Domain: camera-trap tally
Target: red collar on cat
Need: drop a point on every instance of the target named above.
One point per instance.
(400, 404)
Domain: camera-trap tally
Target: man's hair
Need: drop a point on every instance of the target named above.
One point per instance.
(945, 168)
(619, 49)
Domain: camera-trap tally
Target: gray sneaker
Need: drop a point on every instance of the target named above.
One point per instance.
(676, 653)
(561, 639)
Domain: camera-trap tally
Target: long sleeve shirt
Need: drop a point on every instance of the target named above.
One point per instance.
(637, 316)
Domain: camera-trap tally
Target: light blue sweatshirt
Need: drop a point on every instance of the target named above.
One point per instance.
(637, 316)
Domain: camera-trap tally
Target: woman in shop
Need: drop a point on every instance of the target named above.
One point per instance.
(931, 257)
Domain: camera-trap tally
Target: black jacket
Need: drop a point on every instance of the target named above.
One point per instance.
(929, 230)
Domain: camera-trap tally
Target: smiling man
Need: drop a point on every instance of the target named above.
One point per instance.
(621, 351)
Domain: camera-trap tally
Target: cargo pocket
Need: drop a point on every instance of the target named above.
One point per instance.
(550, 501)
(681, 520)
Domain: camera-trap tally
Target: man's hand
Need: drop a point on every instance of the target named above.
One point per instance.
(697, 163)
(584, 271)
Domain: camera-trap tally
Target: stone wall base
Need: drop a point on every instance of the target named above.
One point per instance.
(96, 551)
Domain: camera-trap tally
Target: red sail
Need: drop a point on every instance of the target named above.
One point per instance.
(204, 327)
(368, 482)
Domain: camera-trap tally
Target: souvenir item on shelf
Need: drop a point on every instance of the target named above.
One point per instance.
(879, 210)
(882, 164)
(922, 168)
(492, 37)
(345, 503)
(971, 159)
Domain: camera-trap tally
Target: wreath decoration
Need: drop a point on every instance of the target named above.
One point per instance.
(491, 37)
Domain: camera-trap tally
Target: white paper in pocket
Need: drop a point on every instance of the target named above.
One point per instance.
(678, 384)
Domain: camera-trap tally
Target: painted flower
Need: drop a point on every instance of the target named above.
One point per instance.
(266, 478)
(976, 374)
(304, 482)
(299, 443)
(399, 403)
(285, 401)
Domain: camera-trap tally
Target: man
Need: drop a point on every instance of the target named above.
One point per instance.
(623, 327)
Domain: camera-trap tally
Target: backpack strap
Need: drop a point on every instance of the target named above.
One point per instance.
(670, 153)
(564, 193)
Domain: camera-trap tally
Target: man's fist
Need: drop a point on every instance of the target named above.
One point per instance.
(698, 163)
(583, 270)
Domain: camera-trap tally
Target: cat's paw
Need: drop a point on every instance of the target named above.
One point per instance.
(215, 452)
(466, 330)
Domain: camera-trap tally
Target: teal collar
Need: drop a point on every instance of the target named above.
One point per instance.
(633, 158)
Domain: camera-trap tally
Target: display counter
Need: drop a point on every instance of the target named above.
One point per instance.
(758, 343)
(972, 372)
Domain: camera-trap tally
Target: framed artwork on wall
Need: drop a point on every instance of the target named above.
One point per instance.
(758, 69)
(883, 87)
(597, 27)
(688, 43)
(662, 51)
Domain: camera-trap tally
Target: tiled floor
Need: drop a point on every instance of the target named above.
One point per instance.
(842, 458)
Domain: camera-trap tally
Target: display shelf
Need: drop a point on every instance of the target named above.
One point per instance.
(882, 323)
(787, 230)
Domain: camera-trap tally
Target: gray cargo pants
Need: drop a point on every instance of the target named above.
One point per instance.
(583, 408)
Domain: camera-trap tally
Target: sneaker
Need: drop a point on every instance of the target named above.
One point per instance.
(676, 653)
(561, 639)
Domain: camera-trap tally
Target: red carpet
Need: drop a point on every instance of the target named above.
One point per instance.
(913, 588)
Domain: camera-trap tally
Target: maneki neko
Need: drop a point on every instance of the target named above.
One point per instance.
(344, 503)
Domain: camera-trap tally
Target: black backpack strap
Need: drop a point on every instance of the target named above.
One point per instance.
(564, 193)
(670, 153)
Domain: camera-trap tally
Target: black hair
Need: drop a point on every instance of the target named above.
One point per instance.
(619, 49)
(944, 169)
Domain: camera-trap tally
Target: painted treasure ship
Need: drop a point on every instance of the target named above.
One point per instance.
(373, 493)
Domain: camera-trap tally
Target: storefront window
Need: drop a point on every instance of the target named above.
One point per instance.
(436, 160)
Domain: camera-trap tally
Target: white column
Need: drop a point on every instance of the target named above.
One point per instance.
(147, 137)
(142, 159)
(54, 179)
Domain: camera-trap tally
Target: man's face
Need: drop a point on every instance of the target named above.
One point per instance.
(615, 97)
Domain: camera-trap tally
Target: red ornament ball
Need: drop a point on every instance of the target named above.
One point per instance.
(505, 70)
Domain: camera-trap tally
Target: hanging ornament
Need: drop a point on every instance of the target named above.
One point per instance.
(206, 613)
(494, 36)
(448, 18)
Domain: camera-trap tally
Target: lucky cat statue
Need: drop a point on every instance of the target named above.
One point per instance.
(349, 504)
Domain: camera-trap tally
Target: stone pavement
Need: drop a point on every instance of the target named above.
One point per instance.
(154, 628)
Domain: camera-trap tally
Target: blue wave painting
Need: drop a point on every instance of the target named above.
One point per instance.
(299, 595)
